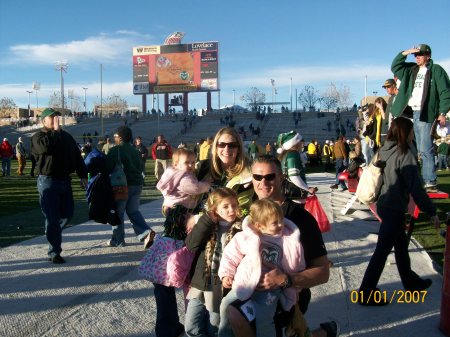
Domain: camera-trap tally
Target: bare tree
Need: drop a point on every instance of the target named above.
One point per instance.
(55, 100)
(344, 96)
(330, 97)
(7, 105)
(309, 97)
(253, 97)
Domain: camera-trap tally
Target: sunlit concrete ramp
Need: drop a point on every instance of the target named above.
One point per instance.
(98, 292)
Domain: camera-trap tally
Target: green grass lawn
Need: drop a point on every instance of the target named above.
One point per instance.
(21, 217)
(20, 214)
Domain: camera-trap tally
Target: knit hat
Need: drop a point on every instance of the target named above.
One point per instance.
(20, 139)
(287, 140)
(5, 139)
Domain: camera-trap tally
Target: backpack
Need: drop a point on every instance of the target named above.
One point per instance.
(371, 180)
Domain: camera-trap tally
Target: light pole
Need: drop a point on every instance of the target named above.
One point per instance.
(29, 111)
(62, 66)
(290, 92)
(375, 93)
(273, 90)
(85, 98)
(37, 87)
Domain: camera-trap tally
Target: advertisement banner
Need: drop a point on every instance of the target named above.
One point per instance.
(146, 50)
(141, 88)
(208, 70)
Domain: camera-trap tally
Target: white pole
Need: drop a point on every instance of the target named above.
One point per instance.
(290, 92)
(365, 90)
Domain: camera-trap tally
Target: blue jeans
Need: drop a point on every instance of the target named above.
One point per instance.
(367, 151)
(442, 161)
(167, 319)
(199, 322)
(339, 168)
(265, 305)
(424, 147)
(56, 201)
(6, 166)
(131, 206)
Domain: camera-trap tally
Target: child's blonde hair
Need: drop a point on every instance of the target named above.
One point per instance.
(217, 196)
(181, 152)
(264, 211)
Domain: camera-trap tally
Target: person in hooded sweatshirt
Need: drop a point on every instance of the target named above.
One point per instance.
(401, 179)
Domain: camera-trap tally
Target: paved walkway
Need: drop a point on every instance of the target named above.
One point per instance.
(99, 293)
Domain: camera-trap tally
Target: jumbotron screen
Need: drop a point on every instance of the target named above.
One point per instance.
(188, 67)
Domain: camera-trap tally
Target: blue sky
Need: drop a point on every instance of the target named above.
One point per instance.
(312, 42)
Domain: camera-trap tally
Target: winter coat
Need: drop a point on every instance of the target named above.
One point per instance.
(181, 188)
(241, 260)
(6, 150)
(436, 91)
(131, 161)
(401, 179)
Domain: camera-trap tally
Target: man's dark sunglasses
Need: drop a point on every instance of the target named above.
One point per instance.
(419, 54)
(267, 177)
(232, 145)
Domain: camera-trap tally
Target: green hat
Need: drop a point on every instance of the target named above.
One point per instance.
(424, 48)
(287, 140)
(49, 112)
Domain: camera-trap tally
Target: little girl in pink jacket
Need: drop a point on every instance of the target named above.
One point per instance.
(267, 241)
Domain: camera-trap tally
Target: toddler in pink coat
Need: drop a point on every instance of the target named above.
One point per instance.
(267, 241)
(181, 190)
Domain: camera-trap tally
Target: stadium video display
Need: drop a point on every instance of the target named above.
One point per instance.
(191, 67)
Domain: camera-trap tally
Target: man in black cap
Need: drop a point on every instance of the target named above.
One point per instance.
(57, 156)
(424, 96)
(391, 88)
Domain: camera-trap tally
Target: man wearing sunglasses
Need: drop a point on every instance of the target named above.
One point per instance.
(424, 92)
(267, 178)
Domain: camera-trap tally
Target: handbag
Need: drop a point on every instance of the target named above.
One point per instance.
(314, 207)
(179, 265)
(371, 180)
(153, 266)
(119, 181)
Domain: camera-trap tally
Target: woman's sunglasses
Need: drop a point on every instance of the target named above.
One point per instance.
(267, 177)
(222, 145)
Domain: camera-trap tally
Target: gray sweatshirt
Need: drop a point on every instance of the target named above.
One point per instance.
(401, 179)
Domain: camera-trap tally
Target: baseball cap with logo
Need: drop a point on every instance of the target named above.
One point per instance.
(49, 112)
(389, 83)
(424, 49)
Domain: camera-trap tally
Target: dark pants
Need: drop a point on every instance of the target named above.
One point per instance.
(391, 235)
(339, 168)
(55, 196)
(167, 320)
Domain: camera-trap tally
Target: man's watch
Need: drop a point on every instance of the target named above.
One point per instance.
(287, 283)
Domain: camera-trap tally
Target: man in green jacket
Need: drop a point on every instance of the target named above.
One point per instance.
(424, 96)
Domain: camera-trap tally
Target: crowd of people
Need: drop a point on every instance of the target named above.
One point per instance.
(240, 209)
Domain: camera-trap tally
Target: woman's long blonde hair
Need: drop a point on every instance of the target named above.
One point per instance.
(241, 163)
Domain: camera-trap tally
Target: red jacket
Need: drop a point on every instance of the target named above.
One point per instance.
(6, 150)
(161, 151)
